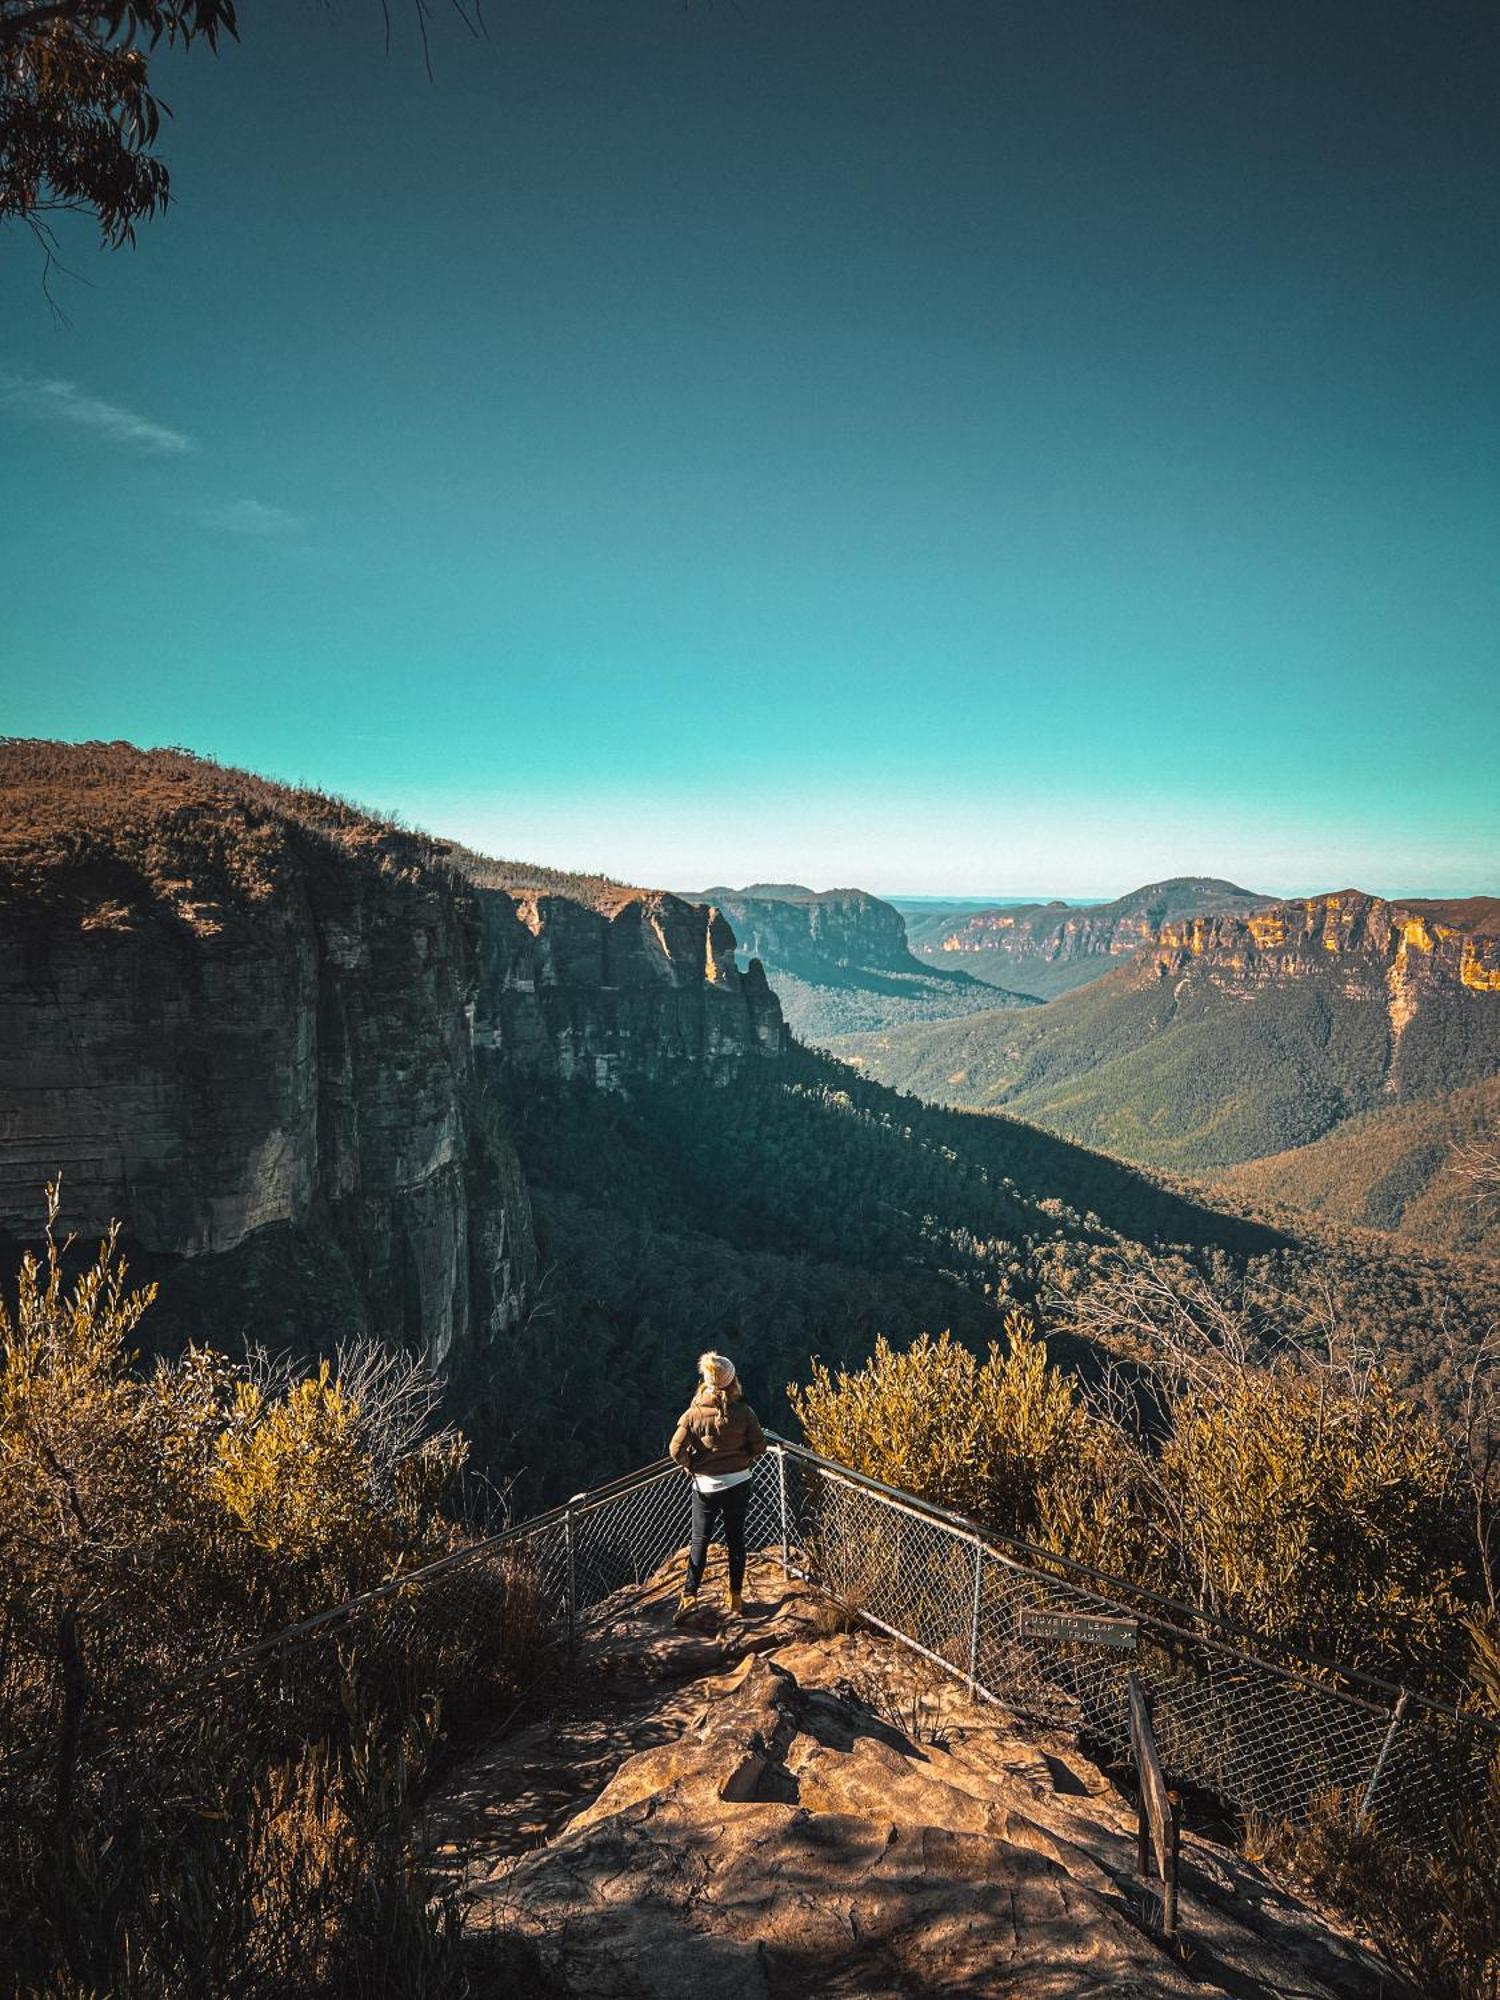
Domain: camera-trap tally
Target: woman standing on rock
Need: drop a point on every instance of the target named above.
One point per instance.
(717, 1439)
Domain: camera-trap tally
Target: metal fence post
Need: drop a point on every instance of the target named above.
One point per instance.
(974, 1620)
(571, 1586)
(1368, 1799)
(786, 1545)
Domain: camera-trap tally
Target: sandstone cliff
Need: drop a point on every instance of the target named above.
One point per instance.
(762, 1811)
(1049, 948)
(236, 1017)
(253, 1023)
(1422, 964)
(1404, 944)
(840, 963)
(808, 929)
(640, 986)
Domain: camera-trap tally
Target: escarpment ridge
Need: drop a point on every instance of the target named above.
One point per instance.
(1231, 1037)
(841, 962)
(253, 1022)
(1407, 941)
(1046, 949)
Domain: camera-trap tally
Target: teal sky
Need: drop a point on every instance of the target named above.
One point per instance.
(944, 447)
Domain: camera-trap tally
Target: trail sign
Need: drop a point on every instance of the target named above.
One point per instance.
(1117, 1632)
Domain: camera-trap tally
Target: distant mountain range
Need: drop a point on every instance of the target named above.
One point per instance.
(839, 961)
(341, 1079)
(1049, 948)
(1253, 1037)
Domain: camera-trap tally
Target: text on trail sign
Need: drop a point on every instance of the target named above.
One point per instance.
(1118, 1632)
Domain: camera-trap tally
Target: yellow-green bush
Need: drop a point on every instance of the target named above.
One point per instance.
(1321, 1512)
(251, 1829)
(981, 1436)
(1317, 1507)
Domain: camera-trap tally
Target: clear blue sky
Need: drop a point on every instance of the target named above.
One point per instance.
(947, 447)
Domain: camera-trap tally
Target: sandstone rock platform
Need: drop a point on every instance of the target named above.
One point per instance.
(771, 1807)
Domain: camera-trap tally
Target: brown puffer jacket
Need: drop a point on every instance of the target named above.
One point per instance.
(718, 1432)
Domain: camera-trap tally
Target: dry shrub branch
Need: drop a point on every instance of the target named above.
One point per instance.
(166, 1827)
(1223, 1455)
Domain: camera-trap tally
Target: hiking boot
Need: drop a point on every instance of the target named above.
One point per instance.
(687, 1604)
(736, 1604)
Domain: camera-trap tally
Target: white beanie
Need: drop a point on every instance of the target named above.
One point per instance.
(716, 1369)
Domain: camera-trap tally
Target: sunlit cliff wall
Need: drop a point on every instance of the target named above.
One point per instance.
(639, 988)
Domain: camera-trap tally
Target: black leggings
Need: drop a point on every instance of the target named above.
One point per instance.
(709, 1509)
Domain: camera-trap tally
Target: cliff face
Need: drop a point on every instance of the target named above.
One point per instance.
(639, 987)
(245, 1033)
(840, 963)
(1418, 942)
(1234, 1038)
(806, 930)
(1048, 948)
(252, 1024)
(1420, 964)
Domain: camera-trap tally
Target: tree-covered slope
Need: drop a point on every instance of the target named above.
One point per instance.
(1232, 1039)
(806, 1210)
(1405, 1168)
(802, 1211)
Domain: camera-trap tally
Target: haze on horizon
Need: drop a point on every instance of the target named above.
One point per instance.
(968, 450)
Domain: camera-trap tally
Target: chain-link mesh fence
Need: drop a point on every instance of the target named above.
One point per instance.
(1262, 1736)
(461, 1636)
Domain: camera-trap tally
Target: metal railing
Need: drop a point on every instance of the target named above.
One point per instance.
(1261, 1735)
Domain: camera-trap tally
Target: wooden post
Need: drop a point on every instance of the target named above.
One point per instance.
(1158, 1828)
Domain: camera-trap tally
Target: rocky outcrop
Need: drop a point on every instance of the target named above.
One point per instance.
(839, 962)
(761, 1811)
(639, 986)
(809, 930)
(1420, 962)
(1421, 941)
(1049, 948)
(238, 1020)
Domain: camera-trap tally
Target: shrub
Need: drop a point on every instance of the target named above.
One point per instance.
(1436, 1915)
(164, 1831)
(1275, 1486)
(980, 1436)
(1322, 1513)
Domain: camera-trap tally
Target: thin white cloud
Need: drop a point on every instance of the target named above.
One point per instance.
(44, 400)
(251, 517)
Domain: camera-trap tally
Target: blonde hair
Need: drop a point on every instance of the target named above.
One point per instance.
(716, 1371)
